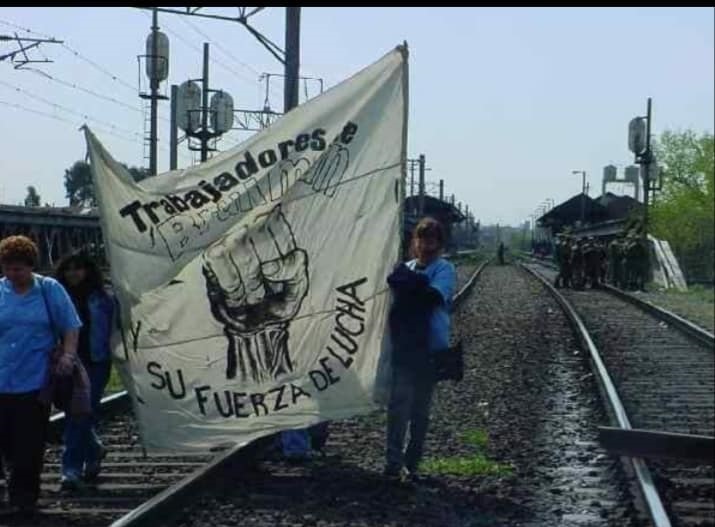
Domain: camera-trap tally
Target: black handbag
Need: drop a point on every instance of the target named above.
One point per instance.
(448, 365)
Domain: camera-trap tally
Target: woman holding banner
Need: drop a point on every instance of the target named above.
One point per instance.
(419, 328)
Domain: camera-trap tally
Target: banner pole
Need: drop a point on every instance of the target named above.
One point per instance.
(403, 171)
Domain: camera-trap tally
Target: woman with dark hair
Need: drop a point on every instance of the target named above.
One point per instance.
(83, 451)
(419, 327)
(35, 312)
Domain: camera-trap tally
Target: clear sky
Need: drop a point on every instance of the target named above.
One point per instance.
(504, 102)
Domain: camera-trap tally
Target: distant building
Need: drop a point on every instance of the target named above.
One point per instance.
(606, 215)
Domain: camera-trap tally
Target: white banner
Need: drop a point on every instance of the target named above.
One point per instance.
(252, 286)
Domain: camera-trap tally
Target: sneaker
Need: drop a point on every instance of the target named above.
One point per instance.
(69, 484)
(92, 470)
(392, 474)
(413, 476)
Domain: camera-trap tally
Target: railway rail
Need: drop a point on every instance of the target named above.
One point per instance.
(655, 372)
(525, 388)
(137, 490)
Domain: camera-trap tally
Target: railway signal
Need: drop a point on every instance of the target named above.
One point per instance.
(196, 116)
(639, 130)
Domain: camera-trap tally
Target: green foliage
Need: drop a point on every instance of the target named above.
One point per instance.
(475, 464)
(78, 184)
(683, 212)
(79, 187)
(33, 198)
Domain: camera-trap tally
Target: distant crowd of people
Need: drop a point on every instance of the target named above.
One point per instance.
(622, 262)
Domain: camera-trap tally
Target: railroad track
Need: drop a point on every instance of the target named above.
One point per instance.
(135, 489)
(526, 356)
(127, 479)
(656, 372)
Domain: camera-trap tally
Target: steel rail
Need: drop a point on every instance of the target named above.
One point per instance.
(646, 486)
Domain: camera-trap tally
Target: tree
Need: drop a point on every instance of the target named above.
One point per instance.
(684, 212)
(33, 198)
(79, 186)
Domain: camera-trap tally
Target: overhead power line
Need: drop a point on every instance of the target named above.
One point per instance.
(66, 109)
(62, 119)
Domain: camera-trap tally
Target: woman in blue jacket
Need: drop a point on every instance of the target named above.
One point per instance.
(419, 328)
(82, 278)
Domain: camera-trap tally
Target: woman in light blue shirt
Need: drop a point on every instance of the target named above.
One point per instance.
(35, 311)
(419, 328)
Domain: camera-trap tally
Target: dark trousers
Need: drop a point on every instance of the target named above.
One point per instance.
(23, 429)
(409, 405)
(83, 448)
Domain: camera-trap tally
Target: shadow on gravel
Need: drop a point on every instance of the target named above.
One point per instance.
(329, 492)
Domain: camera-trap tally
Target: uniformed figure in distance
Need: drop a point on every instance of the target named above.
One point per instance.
(577, 266)
(592, 262)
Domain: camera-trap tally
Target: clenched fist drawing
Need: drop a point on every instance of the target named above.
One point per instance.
(256, 282)
(327, 174)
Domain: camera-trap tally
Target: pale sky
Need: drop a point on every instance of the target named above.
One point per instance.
(504, 102)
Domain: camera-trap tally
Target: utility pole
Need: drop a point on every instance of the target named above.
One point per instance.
(174, 132)
(292, 58)
(441, 189)
(646, 161)
(205, 105)
(422, 185)
(639, 143)
(154, 85)
(157, 70)
(197, 117)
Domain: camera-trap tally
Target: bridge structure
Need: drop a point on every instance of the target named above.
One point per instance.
(56, 231)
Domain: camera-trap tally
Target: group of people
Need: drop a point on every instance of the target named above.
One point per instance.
(55, 350)
(586, 261)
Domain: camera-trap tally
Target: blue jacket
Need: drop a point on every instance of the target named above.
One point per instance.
(409, 318)
(101, 312)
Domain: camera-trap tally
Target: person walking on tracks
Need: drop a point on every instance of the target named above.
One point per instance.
(34, 311)
(567, 267)
(83, 450)
(577, 264)
(560, 257)
(614, 262)
(419, 324)
(602, 261)
(500, 253)
(592, 262)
